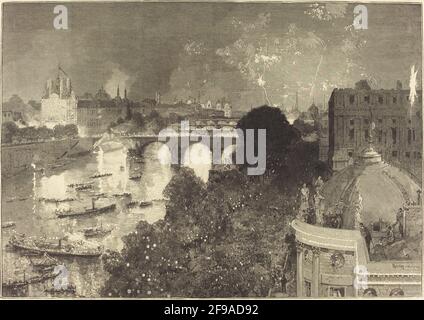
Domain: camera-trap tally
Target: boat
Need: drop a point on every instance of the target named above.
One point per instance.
(8, 224)
(91, 211)
(53, 200)
(44, 262)
(76, 248)
(70, 289)
(74, 185)
(57, 166)
(98, 231)
(145, 203)
(132, 204)
(100, 195)
(84, 187)
(120, 195)
(100, 175)
(135, 177)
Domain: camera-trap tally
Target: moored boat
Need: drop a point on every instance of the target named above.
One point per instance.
(132, 204)
(145, 203)
(54, 200)
(69, 289)
(8, 224)
(91, 211)
(98, 231)
(72, 185)
(76, 248)
(135, 177)
(84, 187)
(100, 175)
(120, 195)
(44, 262)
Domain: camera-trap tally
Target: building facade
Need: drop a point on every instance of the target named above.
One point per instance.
(335, 263)
(366, 235)
(59, 103)
(386, 116)
(96, 114)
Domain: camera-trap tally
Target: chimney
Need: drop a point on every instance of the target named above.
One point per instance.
(125, 93)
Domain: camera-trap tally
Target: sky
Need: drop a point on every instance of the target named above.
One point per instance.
(248, 53)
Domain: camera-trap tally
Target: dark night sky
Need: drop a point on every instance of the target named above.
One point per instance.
(140, 46)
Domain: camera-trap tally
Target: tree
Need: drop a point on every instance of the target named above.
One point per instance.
(138, 119)
(8, 131)
(184, 189)
(70, 130)
(280, 135)
(59, 131)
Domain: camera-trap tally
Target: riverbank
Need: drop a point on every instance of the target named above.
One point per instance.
(17, 158)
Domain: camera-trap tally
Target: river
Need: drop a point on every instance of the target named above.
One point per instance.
(21, 204)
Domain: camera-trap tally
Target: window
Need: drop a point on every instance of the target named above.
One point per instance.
(413, 134)
(352, 122)
(394, 154)
(308, 289)
(336, 292)
(380, 135)
(367, 99)
(351, 98)
(350, 153)
(366, 121)
(394, 135)
(380, 100)
(408, 154)
(351, 134)
(380, 121)
(366, 134)
(409, 136)
(419, 155)
(394, 121)
(394, 99)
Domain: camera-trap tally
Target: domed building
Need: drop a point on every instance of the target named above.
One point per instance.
(366, 235)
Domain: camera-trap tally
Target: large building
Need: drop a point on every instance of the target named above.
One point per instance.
(366, 235)
(396, 123)
(96, 114)
(59, 103)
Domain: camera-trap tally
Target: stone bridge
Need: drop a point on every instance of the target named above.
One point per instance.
(216, 134)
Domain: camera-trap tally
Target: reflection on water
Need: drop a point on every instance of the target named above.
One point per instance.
(20, 203)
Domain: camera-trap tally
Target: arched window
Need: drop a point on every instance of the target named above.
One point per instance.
(370, 292)
(396, 292)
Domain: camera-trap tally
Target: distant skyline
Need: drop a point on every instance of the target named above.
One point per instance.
(193, 49)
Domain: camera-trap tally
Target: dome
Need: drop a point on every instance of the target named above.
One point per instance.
(374, 188)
